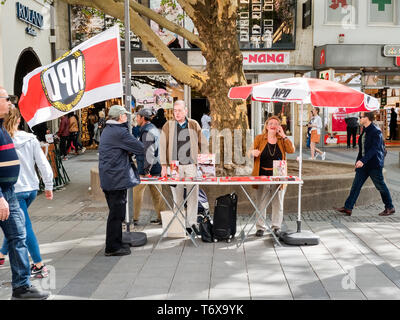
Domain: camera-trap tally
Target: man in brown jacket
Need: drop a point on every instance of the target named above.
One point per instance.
(182, 140)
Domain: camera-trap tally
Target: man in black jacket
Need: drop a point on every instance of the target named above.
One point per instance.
(352, 126)
(369, 163)
(117, 174)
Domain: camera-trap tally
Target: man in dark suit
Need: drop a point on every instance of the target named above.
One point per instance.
(369, 163)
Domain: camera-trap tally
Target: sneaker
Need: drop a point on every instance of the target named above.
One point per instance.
(65, 159)
(123, 251)
(29, 293)
(323, 156)
(195, 229)
(83, 150)
(155, 221)
(40, 273)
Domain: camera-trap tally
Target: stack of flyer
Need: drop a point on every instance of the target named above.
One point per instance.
(206, 165)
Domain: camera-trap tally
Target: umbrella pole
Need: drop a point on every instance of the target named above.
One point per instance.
(299, 238)
(300, 169)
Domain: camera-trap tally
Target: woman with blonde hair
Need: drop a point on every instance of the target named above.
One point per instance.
(272, 144)
(29, 153)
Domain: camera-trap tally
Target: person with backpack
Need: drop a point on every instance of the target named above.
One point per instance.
(369, 163)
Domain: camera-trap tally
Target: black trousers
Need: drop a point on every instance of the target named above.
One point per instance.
(116, 201)
(63, 145)
(351, 132)
(392, 133)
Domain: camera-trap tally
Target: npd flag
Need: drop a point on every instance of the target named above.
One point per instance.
(89, 73)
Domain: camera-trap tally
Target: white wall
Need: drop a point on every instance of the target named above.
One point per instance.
(360, 32)
(14, 39)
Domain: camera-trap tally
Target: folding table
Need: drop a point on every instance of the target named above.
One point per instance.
(221, 181)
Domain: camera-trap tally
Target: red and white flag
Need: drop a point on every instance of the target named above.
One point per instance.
(89, 73)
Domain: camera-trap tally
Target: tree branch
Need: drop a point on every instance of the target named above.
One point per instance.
(165, 23)
(164, 55)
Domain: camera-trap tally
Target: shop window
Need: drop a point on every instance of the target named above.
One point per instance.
(174, 14)
(373, 80)
(381, 11)
(266, 24)
(280, 109)
(342, 12)
(348, 79)
(393, 81)
(87, 22)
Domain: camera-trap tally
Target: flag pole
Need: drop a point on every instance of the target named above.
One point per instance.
(133, 238)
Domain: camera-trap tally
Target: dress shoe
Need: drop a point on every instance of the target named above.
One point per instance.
(29, 293)
(387, 212)
(344, 210)
(259, 233)
(277, 232)
(195, 229)
(123, 251)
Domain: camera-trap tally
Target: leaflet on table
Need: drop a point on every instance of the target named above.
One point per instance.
(206, 165)
(280, 168)
(173, 169)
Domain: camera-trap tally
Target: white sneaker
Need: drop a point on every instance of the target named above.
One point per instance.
(83, 150)
(323, 156)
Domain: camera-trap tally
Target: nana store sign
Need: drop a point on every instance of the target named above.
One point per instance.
(265, 58)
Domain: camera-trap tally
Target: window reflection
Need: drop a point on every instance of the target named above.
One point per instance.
(266, 24)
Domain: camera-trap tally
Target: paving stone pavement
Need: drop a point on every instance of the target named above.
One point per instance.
(358, 256)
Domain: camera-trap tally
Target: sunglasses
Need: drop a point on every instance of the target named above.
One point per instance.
(12, 99)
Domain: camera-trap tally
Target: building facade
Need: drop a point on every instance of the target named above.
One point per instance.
(356, 44)
(29, 31)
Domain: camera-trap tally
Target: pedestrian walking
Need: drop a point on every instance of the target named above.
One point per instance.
(148, 164)
(30, 154)
(117, 174)
(11, 215)
(272, 144)
(369, 163)
(352, 128)
(181, 140)
(393, 124)
(63, 134)
(73, 133)
(315, 125)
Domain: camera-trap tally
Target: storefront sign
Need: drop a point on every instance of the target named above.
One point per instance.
(337, 139)
(29, 16)
(338, 122)
(265, 58)
(327, 75)
(145, 61)
(391, 51)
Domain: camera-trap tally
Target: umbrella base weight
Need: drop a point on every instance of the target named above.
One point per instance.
(134, 239)
(302, 238)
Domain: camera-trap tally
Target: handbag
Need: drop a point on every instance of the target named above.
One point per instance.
(205, 228)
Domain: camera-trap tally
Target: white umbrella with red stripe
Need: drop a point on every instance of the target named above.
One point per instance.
(317, 92)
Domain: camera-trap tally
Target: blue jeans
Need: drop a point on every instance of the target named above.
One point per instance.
(25, 199)
(14, 231)
(376, 176)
